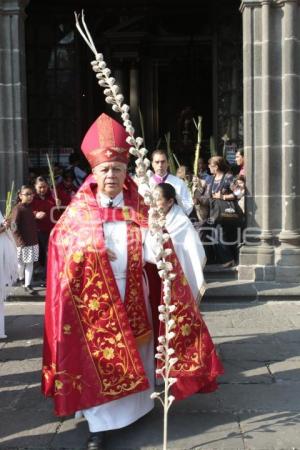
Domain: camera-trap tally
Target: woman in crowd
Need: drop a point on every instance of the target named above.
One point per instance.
(219, 187)
(24, 231)
(8, 267)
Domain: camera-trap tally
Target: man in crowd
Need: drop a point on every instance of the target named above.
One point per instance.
(98, 342)
(161, 175)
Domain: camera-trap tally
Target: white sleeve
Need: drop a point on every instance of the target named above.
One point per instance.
(186, 198)
(149, 246)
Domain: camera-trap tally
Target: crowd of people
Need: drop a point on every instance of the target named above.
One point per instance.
(37, 209)
(103, 293)
(218, 195)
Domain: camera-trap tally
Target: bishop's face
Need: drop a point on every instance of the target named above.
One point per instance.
(110, 177)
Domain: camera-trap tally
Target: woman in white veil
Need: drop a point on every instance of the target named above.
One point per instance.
(8, 267)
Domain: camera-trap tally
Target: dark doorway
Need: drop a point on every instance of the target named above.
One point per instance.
(176, 53)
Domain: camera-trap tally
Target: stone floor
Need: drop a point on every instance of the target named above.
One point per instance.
(256, 407)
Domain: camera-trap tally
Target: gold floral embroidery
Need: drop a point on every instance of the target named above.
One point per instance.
(90, 335)
(67, 328)
(94, 304)
(78, 257)
(186, 329)
(98, 310)
(184, 281)
(108, 353)
(118, 337)
(58, 385)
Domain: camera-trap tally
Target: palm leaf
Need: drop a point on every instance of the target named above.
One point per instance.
(172, 165)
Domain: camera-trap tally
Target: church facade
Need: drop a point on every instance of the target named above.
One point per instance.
(235, 64)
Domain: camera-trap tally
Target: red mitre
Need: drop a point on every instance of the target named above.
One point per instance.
(105, 141)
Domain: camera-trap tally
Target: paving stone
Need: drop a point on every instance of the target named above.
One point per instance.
(223, 322)
(187, 431)
(196, 403)
(18, 350)
(288, 370)
(252, 409)
(264, 324)
(247, 351)
(260, 397)
(22, 372)
(71, 434)
(272, 431)
(245, 372)
(16, 309)
(27, 428)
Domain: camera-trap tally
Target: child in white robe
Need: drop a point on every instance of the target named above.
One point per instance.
(186, 242)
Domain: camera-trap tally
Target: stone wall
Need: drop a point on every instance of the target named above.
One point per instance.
(13, 123)
(271, 60)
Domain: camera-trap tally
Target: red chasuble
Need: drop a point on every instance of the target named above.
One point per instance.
(91, 336)
(90, 341)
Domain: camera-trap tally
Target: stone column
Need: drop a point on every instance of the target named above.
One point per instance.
(288, 253)
(271, 111)
(13, 110)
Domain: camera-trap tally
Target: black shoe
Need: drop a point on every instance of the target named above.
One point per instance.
(95, 442)
(29, 289)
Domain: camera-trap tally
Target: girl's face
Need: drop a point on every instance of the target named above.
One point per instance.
(213, 168)
(41, 188)
(162, 203)
(26, 196)
(239, 159)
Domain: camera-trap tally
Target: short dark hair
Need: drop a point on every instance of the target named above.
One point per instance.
(240, 151)
(168, 191)
(40, 179)
(22, 188)
(159, 151)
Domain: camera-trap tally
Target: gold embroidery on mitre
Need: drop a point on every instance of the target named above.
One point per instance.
(106, 137)
(119, 149)
(108, 152)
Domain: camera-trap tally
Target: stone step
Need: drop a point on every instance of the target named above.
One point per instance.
(221, 288)
(216, 271)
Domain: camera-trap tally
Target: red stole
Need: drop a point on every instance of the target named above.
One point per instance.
(198, 364)
(90, 349)
(134, 295)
